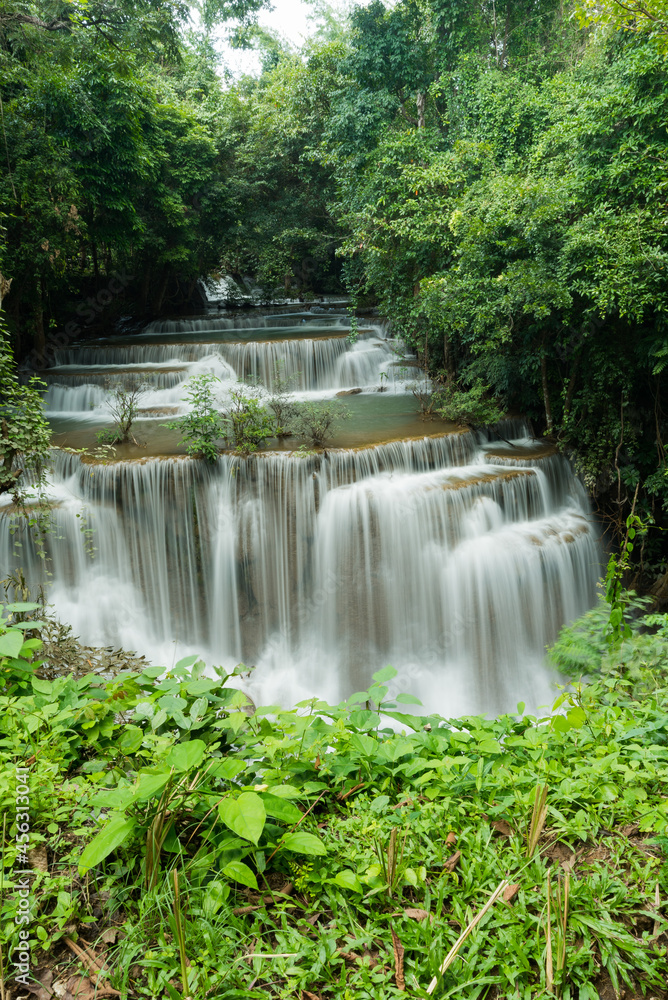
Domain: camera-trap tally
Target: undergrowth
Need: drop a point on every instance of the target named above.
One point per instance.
(184, 843)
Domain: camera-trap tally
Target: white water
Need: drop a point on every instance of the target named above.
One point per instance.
(319, 365)
(454, 565)
(320, 571)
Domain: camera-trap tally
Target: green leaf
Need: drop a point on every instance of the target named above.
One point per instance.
(241, 873)
(148, 785)
(303, 843)
(198, 708)
(286, 791)
(347, 879)
(42, 686)
(20, 606)
(130, 739)
(214, 897)
(187, 661)
(201, 686)
(228, 768)
(407, 699)
(561, 724)
(11, 643)
(281, 809)
(245, 816)
(152, 672)
(576, 717)
(115, 833)
(186, 756)
(386, 674)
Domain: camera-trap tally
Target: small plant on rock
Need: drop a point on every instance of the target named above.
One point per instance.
(123, 405)
(204, 426)
(249, 422)
(317, 422)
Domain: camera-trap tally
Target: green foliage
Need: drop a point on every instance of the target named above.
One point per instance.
(468, 407)
(180, 797)
(617, 569)
(317, 422)
(279, 400)
(25, 436)
(204, 426)
(123, 403)
(648, 18)
(249, 423)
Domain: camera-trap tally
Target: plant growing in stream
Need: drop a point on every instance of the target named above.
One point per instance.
(123, 405)
(248, 421)
(317, 422)
(280, 401)
(204, 426)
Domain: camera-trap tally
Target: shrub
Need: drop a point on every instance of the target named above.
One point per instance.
(249, 423)
(204, 426)
(317, 422)
(468, 407)
(280, 402)
(123, 405)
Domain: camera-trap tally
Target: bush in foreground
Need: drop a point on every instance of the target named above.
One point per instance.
(317, 852)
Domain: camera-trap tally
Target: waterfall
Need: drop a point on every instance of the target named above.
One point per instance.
(319, 570)
(453, 556)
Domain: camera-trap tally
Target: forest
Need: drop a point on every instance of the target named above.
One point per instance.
(492, 178)
(485, 183)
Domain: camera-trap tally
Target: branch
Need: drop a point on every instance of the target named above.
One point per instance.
(409, 118)
(7, 20)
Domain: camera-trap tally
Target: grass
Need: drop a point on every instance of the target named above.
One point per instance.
(312, 854)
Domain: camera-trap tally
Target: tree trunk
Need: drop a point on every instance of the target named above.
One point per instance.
(448, 360)
(421, 102)
(40, 340)
(143, 293)
(96, 266)
(546, 391)
(571, 387)
(162, 288)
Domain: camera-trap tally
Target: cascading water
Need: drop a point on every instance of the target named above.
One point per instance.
(452, 557)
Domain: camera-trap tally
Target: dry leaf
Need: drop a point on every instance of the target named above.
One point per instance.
(558, 852)
(80, 987)
(398, 962)
(309, 996)
(450, 839)
(452, 861)
(109, 935)
(38, 859)
(501, 826)
(416, 914)
(348, 956)
(39, 992)
(510, 892)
